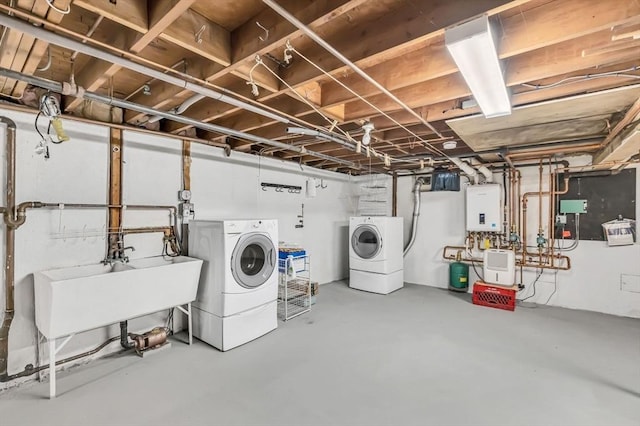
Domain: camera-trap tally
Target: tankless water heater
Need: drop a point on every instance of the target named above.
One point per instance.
(483, 208)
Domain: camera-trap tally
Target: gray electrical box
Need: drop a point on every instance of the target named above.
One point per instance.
(573, 206)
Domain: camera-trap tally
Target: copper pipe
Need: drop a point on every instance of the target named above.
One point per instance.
(550, 151)
(552, 211)
(543, 261)
(29, 369)
(145, 230)
(605, 165)
(519, 179)
(540, 197)
(525, 198)
(9, 262)
(512, 198)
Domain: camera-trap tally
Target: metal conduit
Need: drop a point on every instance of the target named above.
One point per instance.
(315, 37)
(320, 135)
(58, 87)
(225, 146)
(68, 43)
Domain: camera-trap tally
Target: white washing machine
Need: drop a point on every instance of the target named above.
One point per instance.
(375, 253)
(237, 295)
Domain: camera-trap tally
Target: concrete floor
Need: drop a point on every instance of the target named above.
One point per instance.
(418, 356)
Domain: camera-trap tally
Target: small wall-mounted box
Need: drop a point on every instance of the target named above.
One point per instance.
(573, 206)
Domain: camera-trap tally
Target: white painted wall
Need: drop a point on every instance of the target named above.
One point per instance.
(222, 188)
(593, 283)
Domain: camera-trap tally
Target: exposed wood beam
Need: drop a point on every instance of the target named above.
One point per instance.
(162, 93)
(400, 32)
(622, 142)
(394, 34)
(131, 14)
(189, 27)
(37, 53)
(549, 24)
(536, 65)
(11, 43)
(96, 72)
(162, 14)
(115, 183)
(246, 44)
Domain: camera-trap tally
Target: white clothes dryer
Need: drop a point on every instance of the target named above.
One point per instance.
(376, 244)
(375, 253)
(237, 295)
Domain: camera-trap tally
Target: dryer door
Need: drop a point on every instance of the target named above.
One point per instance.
(253, 260)
(366, 241)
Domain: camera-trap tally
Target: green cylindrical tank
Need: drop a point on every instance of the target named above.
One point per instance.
(458, 275)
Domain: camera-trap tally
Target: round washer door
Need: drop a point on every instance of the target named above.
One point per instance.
(366, 241)
(253, 260)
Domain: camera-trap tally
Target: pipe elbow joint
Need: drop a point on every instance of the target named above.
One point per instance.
(8, 122)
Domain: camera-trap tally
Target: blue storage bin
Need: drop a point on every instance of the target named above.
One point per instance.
(298, 260)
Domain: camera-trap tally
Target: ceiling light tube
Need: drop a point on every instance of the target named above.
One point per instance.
(473, 49)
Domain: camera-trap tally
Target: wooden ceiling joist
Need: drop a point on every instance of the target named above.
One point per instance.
(399, 44)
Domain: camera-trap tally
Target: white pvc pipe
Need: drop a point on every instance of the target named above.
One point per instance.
(181, 108)
(488, 174)
(466, 168)
(68, 43)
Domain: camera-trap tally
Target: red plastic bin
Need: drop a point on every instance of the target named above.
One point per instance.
(494, 297)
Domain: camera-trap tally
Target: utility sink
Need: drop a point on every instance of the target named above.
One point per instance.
(71, 300)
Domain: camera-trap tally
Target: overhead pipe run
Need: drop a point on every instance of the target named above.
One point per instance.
(315, 37)
(58, 87)
(225, 146)
(58, 40)
(320, 135)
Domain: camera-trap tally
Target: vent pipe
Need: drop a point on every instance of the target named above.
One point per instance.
(467, 169)
(416, 214)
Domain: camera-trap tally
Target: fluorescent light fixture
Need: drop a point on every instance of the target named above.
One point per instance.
(473, 49)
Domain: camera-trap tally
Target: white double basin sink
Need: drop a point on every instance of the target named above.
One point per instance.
(71, 300)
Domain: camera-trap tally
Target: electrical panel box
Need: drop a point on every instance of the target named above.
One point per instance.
(483, 208)
(573, 206)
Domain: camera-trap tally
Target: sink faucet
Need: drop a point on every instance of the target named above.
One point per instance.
(116, 252)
